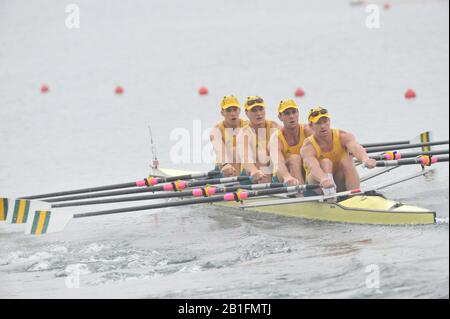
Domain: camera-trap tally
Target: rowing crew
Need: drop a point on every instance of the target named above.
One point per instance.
(291, 153)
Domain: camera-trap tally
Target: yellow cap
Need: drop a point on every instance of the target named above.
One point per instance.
(229, 101)
(317, 113)
(287, 104)
(253, 101)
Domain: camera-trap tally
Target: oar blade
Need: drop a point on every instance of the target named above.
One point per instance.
(3, 208)
(426, 137)
(42, 222)
(18, 210)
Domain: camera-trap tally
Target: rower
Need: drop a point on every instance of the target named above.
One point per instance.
(286, 143)
(253, 141)
(223, 137)
(326, 155)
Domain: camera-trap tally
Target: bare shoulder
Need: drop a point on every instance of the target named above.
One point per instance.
(346, 136)
(215, 131)
(275, 125)
(308, 130)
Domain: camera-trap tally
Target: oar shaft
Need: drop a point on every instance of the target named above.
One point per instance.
(423, 138)
(82, 190)
(227, 197)
(405, 146)
(398, 155)
(198, 192)
(164, 187)
(141, 183)
(411, 161)
(366, 145)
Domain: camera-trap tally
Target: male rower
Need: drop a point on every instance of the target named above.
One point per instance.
(253, 141)
(286, 143)
(327, 155)
(223, 137)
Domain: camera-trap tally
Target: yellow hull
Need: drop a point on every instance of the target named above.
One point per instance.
(371, 209)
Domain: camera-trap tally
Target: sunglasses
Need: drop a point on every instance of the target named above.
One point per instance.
(316, 113)
(252, 102)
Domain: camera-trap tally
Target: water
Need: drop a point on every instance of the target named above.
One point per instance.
(81, 134)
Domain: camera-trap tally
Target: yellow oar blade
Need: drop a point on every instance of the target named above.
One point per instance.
(42, 222)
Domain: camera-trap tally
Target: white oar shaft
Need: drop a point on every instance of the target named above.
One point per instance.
(404, 179)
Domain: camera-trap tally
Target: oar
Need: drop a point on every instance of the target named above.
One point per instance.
(3, 208)
(398, 155)
(377, 173)
(321, 198)
(424, 137)
(19, 209)
(401, 147)
(173, 186)
(207, 191)
(149, 181)
(422, 160)
(45, 221)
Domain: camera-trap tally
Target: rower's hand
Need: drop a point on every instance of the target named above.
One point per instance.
(327, 183)
(291, 181)
(370, 163)
(257, 176)
(228, 170)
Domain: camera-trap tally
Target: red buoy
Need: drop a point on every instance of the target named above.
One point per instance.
(44, 88)
(387, 6)
(299, 92)
(203, 90)
(410, 94)
(119, 90)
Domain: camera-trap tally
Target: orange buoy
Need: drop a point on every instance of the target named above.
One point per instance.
(410, 94)
(299, 92)
(119, 90)
(203, 90)
(44, 88)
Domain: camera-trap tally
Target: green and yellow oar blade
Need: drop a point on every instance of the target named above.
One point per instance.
(425, 137)
(3, 208)
(42, 222)
(18, 210)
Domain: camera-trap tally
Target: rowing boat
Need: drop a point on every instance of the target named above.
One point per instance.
(361, 209)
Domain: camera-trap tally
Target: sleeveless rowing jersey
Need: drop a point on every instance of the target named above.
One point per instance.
(287, 150)
(335, 155)
(226, 138)
(268, 128)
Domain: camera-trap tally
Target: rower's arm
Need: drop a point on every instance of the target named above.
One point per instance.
(308, 154)
(277, 158)
(215, 137)
(353, 147)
